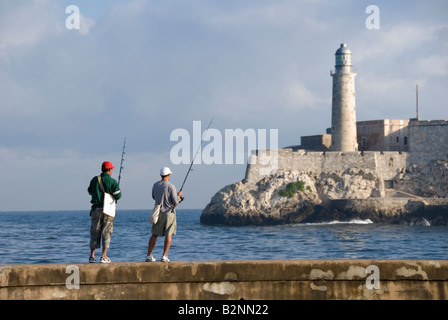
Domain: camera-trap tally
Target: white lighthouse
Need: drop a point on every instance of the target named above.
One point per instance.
(343, 116)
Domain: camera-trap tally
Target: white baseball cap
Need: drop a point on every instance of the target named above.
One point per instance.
(165, 171)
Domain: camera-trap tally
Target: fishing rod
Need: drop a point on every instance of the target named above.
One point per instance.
(191, 164)
(122, 159)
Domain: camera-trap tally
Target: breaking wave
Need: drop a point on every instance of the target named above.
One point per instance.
(353, 221)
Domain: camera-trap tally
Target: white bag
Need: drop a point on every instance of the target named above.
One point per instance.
(154, 215)
(109, 206)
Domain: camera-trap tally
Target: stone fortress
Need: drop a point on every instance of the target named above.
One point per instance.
(392, 171)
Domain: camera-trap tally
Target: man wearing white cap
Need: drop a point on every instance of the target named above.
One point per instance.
(165, 193)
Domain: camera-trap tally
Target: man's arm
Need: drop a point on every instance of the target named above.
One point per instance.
(172, 195)
(116, 192)
(89, 188)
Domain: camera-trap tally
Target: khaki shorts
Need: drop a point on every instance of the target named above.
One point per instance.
(166, 224)
(101, 228)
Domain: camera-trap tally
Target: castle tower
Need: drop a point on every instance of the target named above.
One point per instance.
(343, 117)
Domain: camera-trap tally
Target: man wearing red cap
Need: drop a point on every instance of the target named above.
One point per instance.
(102, 223)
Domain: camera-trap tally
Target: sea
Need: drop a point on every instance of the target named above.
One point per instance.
(44, 237)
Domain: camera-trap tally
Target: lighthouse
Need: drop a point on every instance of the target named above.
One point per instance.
(343, 116)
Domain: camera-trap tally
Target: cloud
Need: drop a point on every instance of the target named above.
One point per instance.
(140, 69)
(297, 95)
(393, 42)
(434, 65)
(27, 23)
(85, 25)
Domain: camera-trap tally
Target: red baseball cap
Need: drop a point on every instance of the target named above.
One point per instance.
(107, 165)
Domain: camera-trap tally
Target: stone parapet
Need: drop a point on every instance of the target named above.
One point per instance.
(266, 279)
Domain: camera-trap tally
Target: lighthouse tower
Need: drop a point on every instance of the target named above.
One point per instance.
(343, 116)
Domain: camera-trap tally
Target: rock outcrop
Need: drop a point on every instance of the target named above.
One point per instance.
(351, 194)
(428, 180)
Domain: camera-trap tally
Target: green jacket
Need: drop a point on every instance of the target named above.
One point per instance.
(110, 186)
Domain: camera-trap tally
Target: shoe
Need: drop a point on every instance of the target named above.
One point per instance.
(165, 259)
(105, 260)
(150, 259)
(92, 260)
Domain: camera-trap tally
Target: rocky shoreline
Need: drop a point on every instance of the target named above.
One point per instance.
(419, 197)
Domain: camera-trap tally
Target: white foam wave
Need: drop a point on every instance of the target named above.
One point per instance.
(353, 221)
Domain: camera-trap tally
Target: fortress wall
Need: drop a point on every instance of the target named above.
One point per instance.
(386, 164)
(390, 163)
(428, 140)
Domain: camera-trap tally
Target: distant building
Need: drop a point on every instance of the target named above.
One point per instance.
(383, 135)
(374, 135)
(428, 140)
(318, 142)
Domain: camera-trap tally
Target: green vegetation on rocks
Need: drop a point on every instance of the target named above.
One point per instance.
(292, 188)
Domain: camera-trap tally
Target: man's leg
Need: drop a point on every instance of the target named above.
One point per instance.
(95, 232)
(167, 245)
(104, 254)
(107, 229)
(151, 244)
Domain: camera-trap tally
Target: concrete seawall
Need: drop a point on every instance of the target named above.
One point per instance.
(266, 279)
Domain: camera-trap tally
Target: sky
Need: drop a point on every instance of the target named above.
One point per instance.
(141, 69)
